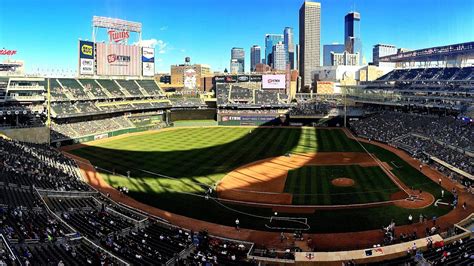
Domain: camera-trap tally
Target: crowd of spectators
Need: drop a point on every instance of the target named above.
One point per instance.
(446, 138)
(214, 251)
(459, 252)
(187, 102)
(433, 73)
(308, 108)
(228, 95)
(39, 165)
(128, 234)
(71, 109)
(422, 146)
(91, 127)
(20, 223)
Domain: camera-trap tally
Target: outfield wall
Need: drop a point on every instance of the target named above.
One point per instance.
(195, 114)
(59, 143)
(248, 120)
(30, 134)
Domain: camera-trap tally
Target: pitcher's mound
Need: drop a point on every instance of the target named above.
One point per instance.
(342, 182)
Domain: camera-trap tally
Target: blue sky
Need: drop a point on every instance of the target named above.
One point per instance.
(45, 33)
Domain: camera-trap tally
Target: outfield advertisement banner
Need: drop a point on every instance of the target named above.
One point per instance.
(247, 118)
(101, 136)
(148, 62)
(118, 60)
(256, 78)
(238, 78)
(274, 81)
(86, 58)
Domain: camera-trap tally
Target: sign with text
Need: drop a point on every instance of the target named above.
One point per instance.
(86, 58)
(273, 81)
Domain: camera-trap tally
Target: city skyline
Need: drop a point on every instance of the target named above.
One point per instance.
(175, 38)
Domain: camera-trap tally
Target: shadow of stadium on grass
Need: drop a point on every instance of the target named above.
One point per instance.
(218, 160)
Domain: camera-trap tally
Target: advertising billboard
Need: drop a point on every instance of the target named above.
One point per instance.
(86, 58)
(237, 78)
(257, 78)
(243, 78)
(190, 81)
(219, 79)
(230, 79)
(118, 60)
(148, 62)
(273, 81)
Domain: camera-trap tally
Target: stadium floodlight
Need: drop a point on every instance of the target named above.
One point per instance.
(115, 24)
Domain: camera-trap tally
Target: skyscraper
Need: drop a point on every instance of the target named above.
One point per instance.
(235, 66)
(255, 57)
(270, 41)
(289, 46)
(381, 50)
(297, 57)
(279, 56)
(238, 54)
(352, 39)
(309, 41)
(344, 59)
(328, 48)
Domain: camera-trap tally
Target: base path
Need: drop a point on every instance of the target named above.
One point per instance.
(264, 181)
(321, 242)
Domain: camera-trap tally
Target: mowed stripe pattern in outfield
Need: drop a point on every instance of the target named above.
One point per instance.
(311, 185)
(207, 154)
(202, 155)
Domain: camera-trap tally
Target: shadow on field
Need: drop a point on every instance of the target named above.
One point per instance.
(259, 143)
(209, 164)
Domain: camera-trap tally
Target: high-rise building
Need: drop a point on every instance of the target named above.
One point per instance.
(239, 55)
(352, 41)
(178, 73)
(309, 40)
(328, 48)
(235, 66)
(262, 68)
(381, 50)
(344, 59)
(279, 56)
(270, 41)
(289, 46)
(297, 57)
(255, 57)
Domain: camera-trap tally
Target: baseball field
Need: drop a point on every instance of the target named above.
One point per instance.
(218, 174)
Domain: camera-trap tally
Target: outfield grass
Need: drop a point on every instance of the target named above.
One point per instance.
(203, 155)
(193, 156)
(311, 185)
(194, 123)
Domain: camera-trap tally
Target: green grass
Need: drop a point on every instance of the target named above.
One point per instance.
(194, 156)
(311, 185)
(199, 155)
(194, 123)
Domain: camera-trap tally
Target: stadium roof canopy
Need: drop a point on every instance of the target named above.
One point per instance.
(439, 53)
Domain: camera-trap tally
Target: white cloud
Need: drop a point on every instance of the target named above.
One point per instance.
(153, 43)
(164, 28)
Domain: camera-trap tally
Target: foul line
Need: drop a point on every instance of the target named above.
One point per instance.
(388, 172)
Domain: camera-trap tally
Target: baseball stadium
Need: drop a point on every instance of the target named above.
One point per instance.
(111, 167)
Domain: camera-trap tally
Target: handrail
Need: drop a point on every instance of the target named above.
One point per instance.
(5, 243)
(74, 230)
